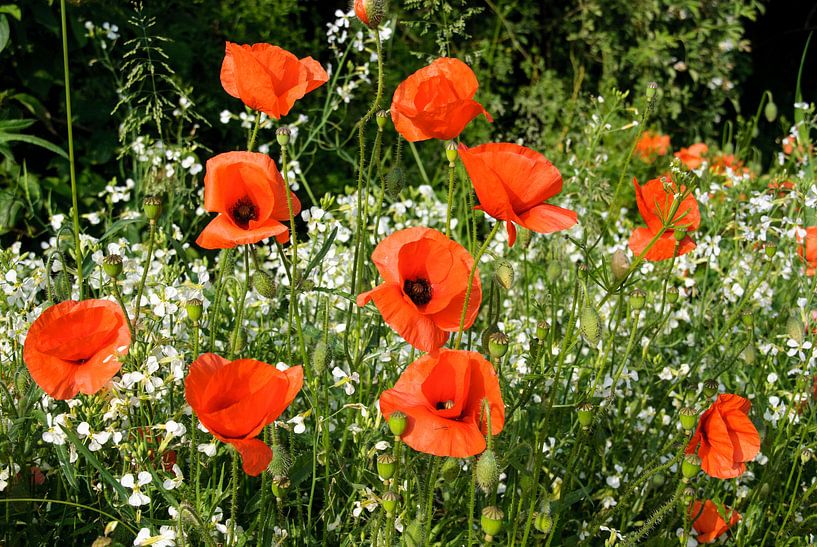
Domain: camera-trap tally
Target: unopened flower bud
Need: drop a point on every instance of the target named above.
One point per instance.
(451, 152)
(672, 295)
(381, 118)
(389, 501)
(637, 299)
(585, 412)
(194, 309)
(688, 496)
(370, 12)
(553, 271)
(690, 466)
(583, 270)
(498, 344)
(112, 264)
(152, 207)
(264, 284)
(386, 466)
(450, 469)
(619, 265)
(281, 462)
(590, 325)
(523, 237)
(689, 417)
(282, 135)
(711, 387)
(542, 328)
(397, 423)
(503, 273)
(543, 522)
(320, 357)
(487, 471)
(795, 329)
(491, 521)
(395, 181)
(652, 88)
(770, 111)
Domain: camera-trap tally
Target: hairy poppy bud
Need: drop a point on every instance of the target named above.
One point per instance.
(62, 286)
(397, 423)
(264, 284)
(112, 264)
(542, 328)
(413, 534)
(395, 181)
(795, 329)
(498, 344)
(749, 354)
(370, 12)
(381, 118)
(487, 471)
(194, 308)
(523, 237)
(319, 357)
(282, 136)
(637, 299)
(281, 462)
(652, 88)
(450, 469)
(710, 387)
(491, 521)
(503, 273)
(619, 265)
(770, 111)
(689, 417)
(585, 412)
(386, 466)
(553, 271)
(770, 249)
(690, 466)
(389, 501)
(590, 325)
(543, 522)
(152, 207)
(672, 295)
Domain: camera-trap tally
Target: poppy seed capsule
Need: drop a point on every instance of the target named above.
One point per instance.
(637, 299)
(194, 308)
(542, 328)
(451, 152)
(152, 207)
(770, 249)
(620, 265)
(503, 274)
(590, 325)
(386, 466)
(397, 423)
(389, 501)
(112, 264)
(747, 319)
(585, 412)
(282, 135)
(680, 234)
(770, 111)
(652, 88)
(498, 344)
(690, 466)
(279, 484)
(672, 295)
(542, 522)
(710, 387)
(487, 471)
(491, 521)
(264, 284)
(689, 417)
(381, 118)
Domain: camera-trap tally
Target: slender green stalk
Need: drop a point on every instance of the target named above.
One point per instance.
(118, 295)
(472, 494)
(234, 499)
(241, 304)
(194, 422)
(251, 141)
(216, 308)
(451, 180)
(429, 503)
(471, 281)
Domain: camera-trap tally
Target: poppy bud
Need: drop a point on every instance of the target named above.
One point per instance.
(585, 411)
(687, 496)
(689, 417)
(770, 249)
(542, 328)
(690, 466)
(451, 152)
(152, 207)
(583, 270)
(523, 237)
(264, 284)
(413, 534)
(450, 469)
(282, 136)
(795, 329)
(680, 234)
(491, 521)
(487, 471)
(381, 118)
(637, 299)
(319, 357)
(389, 501)
(503, 273)
(397, 423)
(281, 462)
(112, 264)
(279, 484)
(590, 325)
(749, 354)
(770, 111)
(672, 295)
(386, 466)
(395, 181)
(710, 387)
(194, 308)
(498, 345)
(543, 522)
(370, 12)
(553, 271)
(620, 265)
(62, 286)
(652, 88)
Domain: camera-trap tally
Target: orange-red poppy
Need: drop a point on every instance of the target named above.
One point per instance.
(781, 188)
(247, 192)
(442, 396)
(808, 249)
(512, 183)
(235, 400)
(693, 156)
(725, 438)
(709, 523)
(652, 144)
(654, 203)
(74, 347)
(268, 78)
(425, 276)
(437, 101)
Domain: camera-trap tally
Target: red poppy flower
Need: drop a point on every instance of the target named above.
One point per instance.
(781, 188)
(247, 191)
(268, 78)
(235, 400)
(808, 249)
(74, 347)
(425, 277)
(652, 144)
(654, 203)
(693, 156)
(442, 396)
(436, 102)
(512, 183)
(709, 523)
(725, 437)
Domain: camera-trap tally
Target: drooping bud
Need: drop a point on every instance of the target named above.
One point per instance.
(264, 284)
(652, 88)
(395, 181)
(370, 12)
(386, 466)
(711, 387)
(672, 295)
(152, 207)
(585, 412)
(389, 501)
(397, 423)
(542, 329)
(770, 111)
(194, 308)
(590, 325)
(690, 466)
(795, 329)
(543, 522)
(320, 357)
(451, 152)
(112, 264)
(281, 462)
(381, 118)
(619, 265)
(282, 135)
(491, 521)
(498, 344)
(637, 299)
(689, 417)
(503, 273)
(487, 471)
(553, 271)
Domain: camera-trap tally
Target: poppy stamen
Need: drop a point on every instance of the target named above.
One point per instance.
(243, 212)
(445, 405)
(418, 290)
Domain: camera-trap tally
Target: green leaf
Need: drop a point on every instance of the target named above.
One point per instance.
(95, 463)
(4, 32)
(322, 253)
(37, 141)
(12, 10)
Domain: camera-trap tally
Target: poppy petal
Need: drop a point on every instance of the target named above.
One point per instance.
(547, 218)
(255, 455)
(222, 233)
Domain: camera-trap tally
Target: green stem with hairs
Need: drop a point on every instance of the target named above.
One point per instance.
(241, 304)
(145, 268)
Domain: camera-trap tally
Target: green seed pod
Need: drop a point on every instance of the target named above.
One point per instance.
(690, 466)
(491, 521)
(395, 181)
(770, 111)
(497, 344)
(389, 501)
(386, 466)
(112, 264)
(652, 89)
(619, 265)
(711, 387)
(590, 325)
(152, 207)
(397, 423)
(553, 272)
(487, 471)
(279, 485)
(543, 522)
(381, 118)
(689, 417)
(194, 308)
(638, 299)
(658, 480)
(486, 337)
(451, 152)
(282, 136)
(503, 273)
(264, 284)
(795, 329)
(747, 318)
(672, 295)
(770, 249)
(585, 412)
(542, 329)
(320, 357)
(680, 234)
(281, 462)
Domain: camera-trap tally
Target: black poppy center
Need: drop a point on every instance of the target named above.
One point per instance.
(419, 290)
(244, 211)
(445, 405)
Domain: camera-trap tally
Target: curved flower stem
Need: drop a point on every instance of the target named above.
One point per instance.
(71, 161)
(241, 303)
(234, 499)
(118, 295)
(471, 282)
(145, 268)
(451, 180)
(251, 141)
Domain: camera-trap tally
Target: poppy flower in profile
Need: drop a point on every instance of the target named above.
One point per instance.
(654, 203)
(235, 400)
(725, 438)
(247, 192)
(652, 144)
(74, 347)
(268, 78)
(425, 277)
(693, 156)
(437, 101)
(808, 249)
(442, 396)
(512, 183)
(709, 523)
